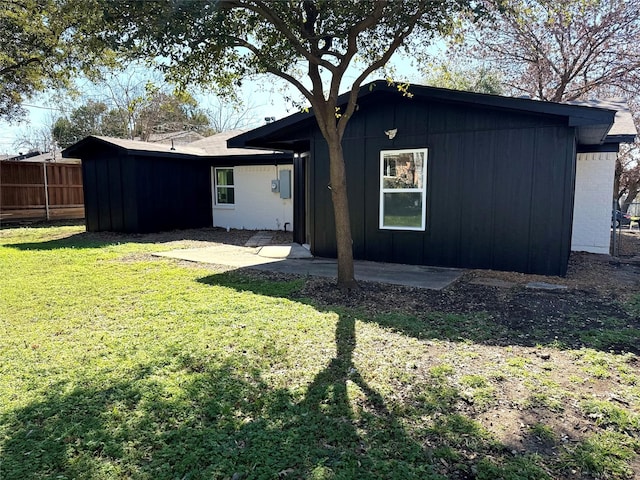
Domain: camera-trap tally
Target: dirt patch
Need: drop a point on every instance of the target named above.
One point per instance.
(192, 238)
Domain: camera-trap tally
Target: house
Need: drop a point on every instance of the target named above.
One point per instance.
(137, 187)
(38, 157)
(458, 179)
(262, 185)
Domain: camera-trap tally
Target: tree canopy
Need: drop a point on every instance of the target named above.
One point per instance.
(93, 118)
(309, 44)
(45, 42)
(562, 51)
(471, 79)
(160, 112)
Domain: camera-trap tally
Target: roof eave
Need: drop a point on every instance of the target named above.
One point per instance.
(623, 138)
(592, 123)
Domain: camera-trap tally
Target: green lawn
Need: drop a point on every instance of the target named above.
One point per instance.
(115, 364)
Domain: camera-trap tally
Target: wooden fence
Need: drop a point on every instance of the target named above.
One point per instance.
(40, 191)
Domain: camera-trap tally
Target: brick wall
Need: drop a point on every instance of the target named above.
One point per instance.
(593, 202)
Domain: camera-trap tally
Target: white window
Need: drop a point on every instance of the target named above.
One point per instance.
(403, 189)
(225, 188)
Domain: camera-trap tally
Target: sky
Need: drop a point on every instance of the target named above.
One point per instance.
(261, 102)
(41, 113)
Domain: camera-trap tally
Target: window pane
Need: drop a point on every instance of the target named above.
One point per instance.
(403, 170)
(225, 195)
(224, 176)
(402, 209)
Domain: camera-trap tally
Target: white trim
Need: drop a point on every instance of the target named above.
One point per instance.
(215, 188)
(422, 191)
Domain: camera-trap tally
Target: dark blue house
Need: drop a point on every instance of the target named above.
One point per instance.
(447, 178)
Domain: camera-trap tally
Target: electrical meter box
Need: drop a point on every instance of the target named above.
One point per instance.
(285, 183)
(275, 185)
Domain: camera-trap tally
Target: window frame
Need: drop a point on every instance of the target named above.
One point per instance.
(217, 186)
(422, 191)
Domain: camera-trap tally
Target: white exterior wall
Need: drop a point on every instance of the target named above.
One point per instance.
(593, 202)
(256, 206)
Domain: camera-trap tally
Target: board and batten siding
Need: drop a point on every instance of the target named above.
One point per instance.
(499, 187)
(109, 199)
(256, 206)
(172, 194)
(593, 201)
(130, 193)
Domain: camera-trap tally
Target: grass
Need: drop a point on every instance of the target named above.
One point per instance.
(543, 432)
(116, 364)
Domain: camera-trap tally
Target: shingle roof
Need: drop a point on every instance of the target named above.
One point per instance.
(184, 136)
(216, 145)
(623, 125)
(136, 145)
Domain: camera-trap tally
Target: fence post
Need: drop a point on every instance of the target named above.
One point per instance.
(46, 189)
(614, 228)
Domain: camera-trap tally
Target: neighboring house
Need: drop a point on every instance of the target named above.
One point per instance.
(458, 179)
(133, 186)
(37, 157)
(24, 156)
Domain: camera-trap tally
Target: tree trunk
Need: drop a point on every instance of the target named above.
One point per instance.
(632, 193)
(344, 242)
(617, 194)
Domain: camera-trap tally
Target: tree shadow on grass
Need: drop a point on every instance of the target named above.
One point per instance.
(103, 239)
(432, 422)
(423, 435)
(481, 314)
(221, 419)
(134, 428)
(197, 415)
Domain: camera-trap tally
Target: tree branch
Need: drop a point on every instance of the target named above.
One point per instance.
(355, 89)
(267, 13)
(19, 65)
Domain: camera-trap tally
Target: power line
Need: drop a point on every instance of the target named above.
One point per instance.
(58, 109)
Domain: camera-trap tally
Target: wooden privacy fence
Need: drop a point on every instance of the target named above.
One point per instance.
(40, 191)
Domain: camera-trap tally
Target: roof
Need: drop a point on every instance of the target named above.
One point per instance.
(176, 138)
(216, 145)
(213, 147)
(134, 146)
(37, 157)
(592, 123)
(49, 158)
(624, 128)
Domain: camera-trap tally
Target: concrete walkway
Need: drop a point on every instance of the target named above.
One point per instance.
(295, 259)
(262, 237)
